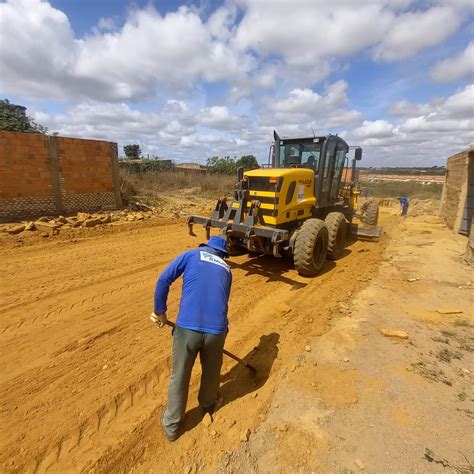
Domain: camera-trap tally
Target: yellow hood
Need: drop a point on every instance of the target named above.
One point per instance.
(280, 172)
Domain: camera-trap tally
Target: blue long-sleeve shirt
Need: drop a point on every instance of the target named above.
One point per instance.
(207, 281)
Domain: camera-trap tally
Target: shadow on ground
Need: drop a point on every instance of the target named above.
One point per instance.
(269, 267)
(274, 269)
(240, 381)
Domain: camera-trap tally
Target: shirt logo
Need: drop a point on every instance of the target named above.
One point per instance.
(208, 257)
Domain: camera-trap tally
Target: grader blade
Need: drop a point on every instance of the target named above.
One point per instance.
(364, 232)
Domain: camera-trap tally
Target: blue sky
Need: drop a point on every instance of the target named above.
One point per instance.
(188, 80)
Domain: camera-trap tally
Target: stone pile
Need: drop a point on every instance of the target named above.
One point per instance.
(48, 226)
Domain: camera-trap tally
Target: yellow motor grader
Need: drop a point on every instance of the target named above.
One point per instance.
(302, 204)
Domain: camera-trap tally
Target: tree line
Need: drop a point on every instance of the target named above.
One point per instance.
(14, 119)
(228, 165)
(215, 164)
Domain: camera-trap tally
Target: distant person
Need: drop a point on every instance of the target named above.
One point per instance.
(365, 192)
(201, 326)
(404, 203)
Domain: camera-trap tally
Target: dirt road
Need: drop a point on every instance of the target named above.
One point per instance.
(84, 373)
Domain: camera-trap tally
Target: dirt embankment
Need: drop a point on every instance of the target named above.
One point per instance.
(84, 373)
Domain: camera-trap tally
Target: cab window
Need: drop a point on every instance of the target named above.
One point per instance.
(302, 155)
(310, 159)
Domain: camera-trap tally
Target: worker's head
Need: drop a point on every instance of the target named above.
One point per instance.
(217, 243)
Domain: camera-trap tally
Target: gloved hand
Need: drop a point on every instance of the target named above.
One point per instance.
(159, 319)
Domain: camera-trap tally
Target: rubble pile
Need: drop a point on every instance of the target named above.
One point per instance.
(49, 226)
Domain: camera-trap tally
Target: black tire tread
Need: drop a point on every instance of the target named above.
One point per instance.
(303, 253)
(334, 220)
(372, 216)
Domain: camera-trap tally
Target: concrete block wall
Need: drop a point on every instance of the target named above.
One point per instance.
(453, 200)
(43, 175)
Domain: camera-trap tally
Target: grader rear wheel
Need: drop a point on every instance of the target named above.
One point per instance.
(336, 223)
(371, 216)
(311, 247)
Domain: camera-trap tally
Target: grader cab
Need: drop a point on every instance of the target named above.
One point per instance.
(302, 204)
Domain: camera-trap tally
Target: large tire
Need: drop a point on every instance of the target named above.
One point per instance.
(234, 247)
(311, 247)
(336, 223)
(372, 213)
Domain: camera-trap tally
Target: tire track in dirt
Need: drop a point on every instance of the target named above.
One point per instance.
(70, 307)
(36, 296)
(83, 436)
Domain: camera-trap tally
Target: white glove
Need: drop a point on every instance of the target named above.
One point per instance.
(159, 319)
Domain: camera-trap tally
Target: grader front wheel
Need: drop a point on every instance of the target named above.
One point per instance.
(311, 247)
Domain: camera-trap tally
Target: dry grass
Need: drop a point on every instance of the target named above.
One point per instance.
(412, 189)
(151, 185)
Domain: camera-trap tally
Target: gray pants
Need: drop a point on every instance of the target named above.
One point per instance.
(186, 345)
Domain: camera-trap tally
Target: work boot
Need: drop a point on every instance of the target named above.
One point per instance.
(170, 436)
(205, 410)
(213, 408)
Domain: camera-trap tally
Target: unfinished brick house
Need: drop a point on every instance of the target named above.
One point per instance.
(457, 201)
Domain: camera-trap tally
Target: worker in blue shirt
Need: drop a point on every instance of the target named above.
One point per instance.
(201, 326)
(404, 203)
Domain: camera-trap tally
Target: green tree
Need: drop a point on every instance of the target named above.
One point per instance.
(14, 119)
(132, 152)
(248, 162)
(226, 165)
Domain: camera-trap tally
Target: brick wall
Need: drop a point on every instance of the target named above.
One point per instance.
(455, 188)
(53, 175)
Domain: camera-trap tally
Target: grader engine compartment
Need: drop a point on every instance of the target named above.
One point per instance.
(285, 195)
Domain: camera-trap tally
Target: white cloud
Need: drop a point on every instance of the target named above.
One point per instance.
(41, 49)
(176, 130)
(458, 105)
(405, 108)
(445, 127)
(459, 67)
(461, 104)
(300, 101)
(374, 129)
(164, 131)
(219, 117)
(220, 23)
(414, 31)
(304, 104)
(305, 32)
(176, 49)
(248, 44)
(105, 24)
(268, 58)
